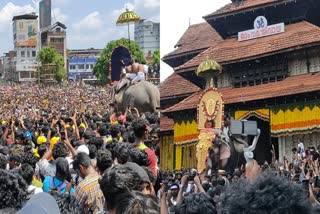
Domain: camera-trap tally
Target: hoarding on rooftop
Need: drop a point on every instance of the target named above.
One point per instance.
(27, 31)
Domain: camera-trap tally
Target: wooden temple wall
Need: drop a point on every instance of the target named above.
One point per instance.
(298, 62)
(299, 66)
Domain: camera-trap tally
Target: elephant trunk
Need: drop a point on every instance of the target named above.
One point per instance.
(119, 98)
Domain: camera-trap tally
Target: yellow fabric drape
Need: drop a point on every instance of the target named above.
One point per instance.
(189, 157)
(178, 157)
(166, 152)
(289, 122)
(262, 114)
(185, 132)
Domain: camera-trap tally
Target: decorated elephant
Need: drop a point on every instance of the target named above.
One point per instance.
(143, 95)
(229, 152)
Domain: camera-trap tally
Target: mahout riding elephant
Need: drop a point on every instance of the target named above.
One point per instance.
(143, 95)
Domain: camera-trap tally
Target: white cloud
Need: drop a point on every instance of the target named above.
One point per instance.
(58, 16)
(10, 10)
(149, 4)
(93, 21)
(174, 20)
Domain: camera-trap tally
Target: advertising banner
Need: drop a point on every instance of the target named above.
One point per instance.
(27, 31)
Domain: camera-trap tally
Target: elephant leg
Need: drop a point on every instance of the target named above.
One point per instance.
(223, 163)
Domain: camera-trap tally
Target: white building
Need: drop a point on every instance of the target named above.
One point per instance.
(147, 35)
(25, 37)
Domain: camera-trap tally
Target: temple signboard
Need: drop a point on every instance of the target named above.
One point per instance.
(261, 29)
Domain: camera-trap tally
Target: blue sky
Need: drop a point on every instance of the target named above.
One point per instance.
(90, 23)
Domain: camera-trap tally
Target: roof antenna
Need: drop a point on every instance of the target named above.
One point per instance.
(189, 21)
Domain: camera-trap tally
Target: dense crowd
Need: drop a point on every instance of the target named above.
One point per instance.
(65, 150)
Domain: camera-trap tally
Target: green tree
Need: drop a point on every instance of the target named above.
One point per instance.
(49, 55)
(101, 68)
(156, 57)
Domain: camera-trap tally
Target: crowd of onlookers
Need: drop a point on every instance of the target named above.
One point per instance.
(65, 150)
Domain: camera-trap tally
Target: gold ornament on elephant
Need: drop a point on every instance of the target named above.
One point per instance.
(206, 138)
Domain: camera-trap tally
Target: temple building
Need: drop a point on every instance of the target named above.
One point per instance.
(269, 51)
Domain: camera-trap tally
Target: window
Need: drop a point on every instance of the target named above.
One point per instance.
(87, 66)
(72, 67)
(28, 54)
(91, 66)
(260, 72)
(24, 74)
(56, 40)
(33, 74)
(23, 54)
(34, 54)
(81, 66)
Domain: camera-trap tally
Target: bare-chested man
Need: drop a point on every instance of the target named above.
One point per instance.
(136, 72)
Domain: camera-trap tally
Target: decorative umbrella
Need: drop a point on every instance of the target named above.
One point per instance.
(210, 70)
(127, 18)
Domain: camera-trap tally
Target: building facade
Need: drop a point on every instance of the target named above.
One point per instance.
(271, 64)
(8, 67)
(56, 36)
(25, 37)
(147, 36)
(84, 53)
(81, 62)
(81, 69)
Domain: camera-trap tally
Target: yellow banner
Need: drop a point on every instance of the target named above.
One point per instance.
(262, 114)
(178, 157)
(167, 152)
(290, 122)
(185, 132)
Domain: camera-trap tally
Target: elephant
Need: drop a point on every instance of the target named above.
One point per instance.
(143, 95)
(237, 147)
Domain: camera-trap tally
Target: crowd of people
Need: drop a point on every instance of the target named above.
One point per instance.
(65, 150)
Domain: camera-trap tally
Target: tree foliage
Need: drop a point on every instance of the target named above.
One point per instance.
(101, 68)
(49, 55)
(156, 57)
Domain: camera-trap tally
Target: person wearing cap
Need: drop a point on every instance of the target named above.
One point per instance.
(41, 140)
(173, 194)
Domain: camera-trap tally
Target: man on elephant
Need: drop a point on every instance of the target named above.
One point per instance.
(132, 71)
(136, 72)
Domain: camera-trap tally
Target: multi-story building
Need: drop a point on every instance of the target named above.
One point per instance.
(56, 36)
(25, 37)
(81, 68)
(8, 66)
(84, 53)
(147, 36)
(81, 62)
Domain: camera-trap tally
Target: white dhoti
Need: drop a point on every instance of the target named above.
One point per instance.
(136, 77)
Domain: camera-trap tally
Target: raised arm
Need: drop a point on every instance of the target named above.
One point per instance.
(66, 141)
(74, 121)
